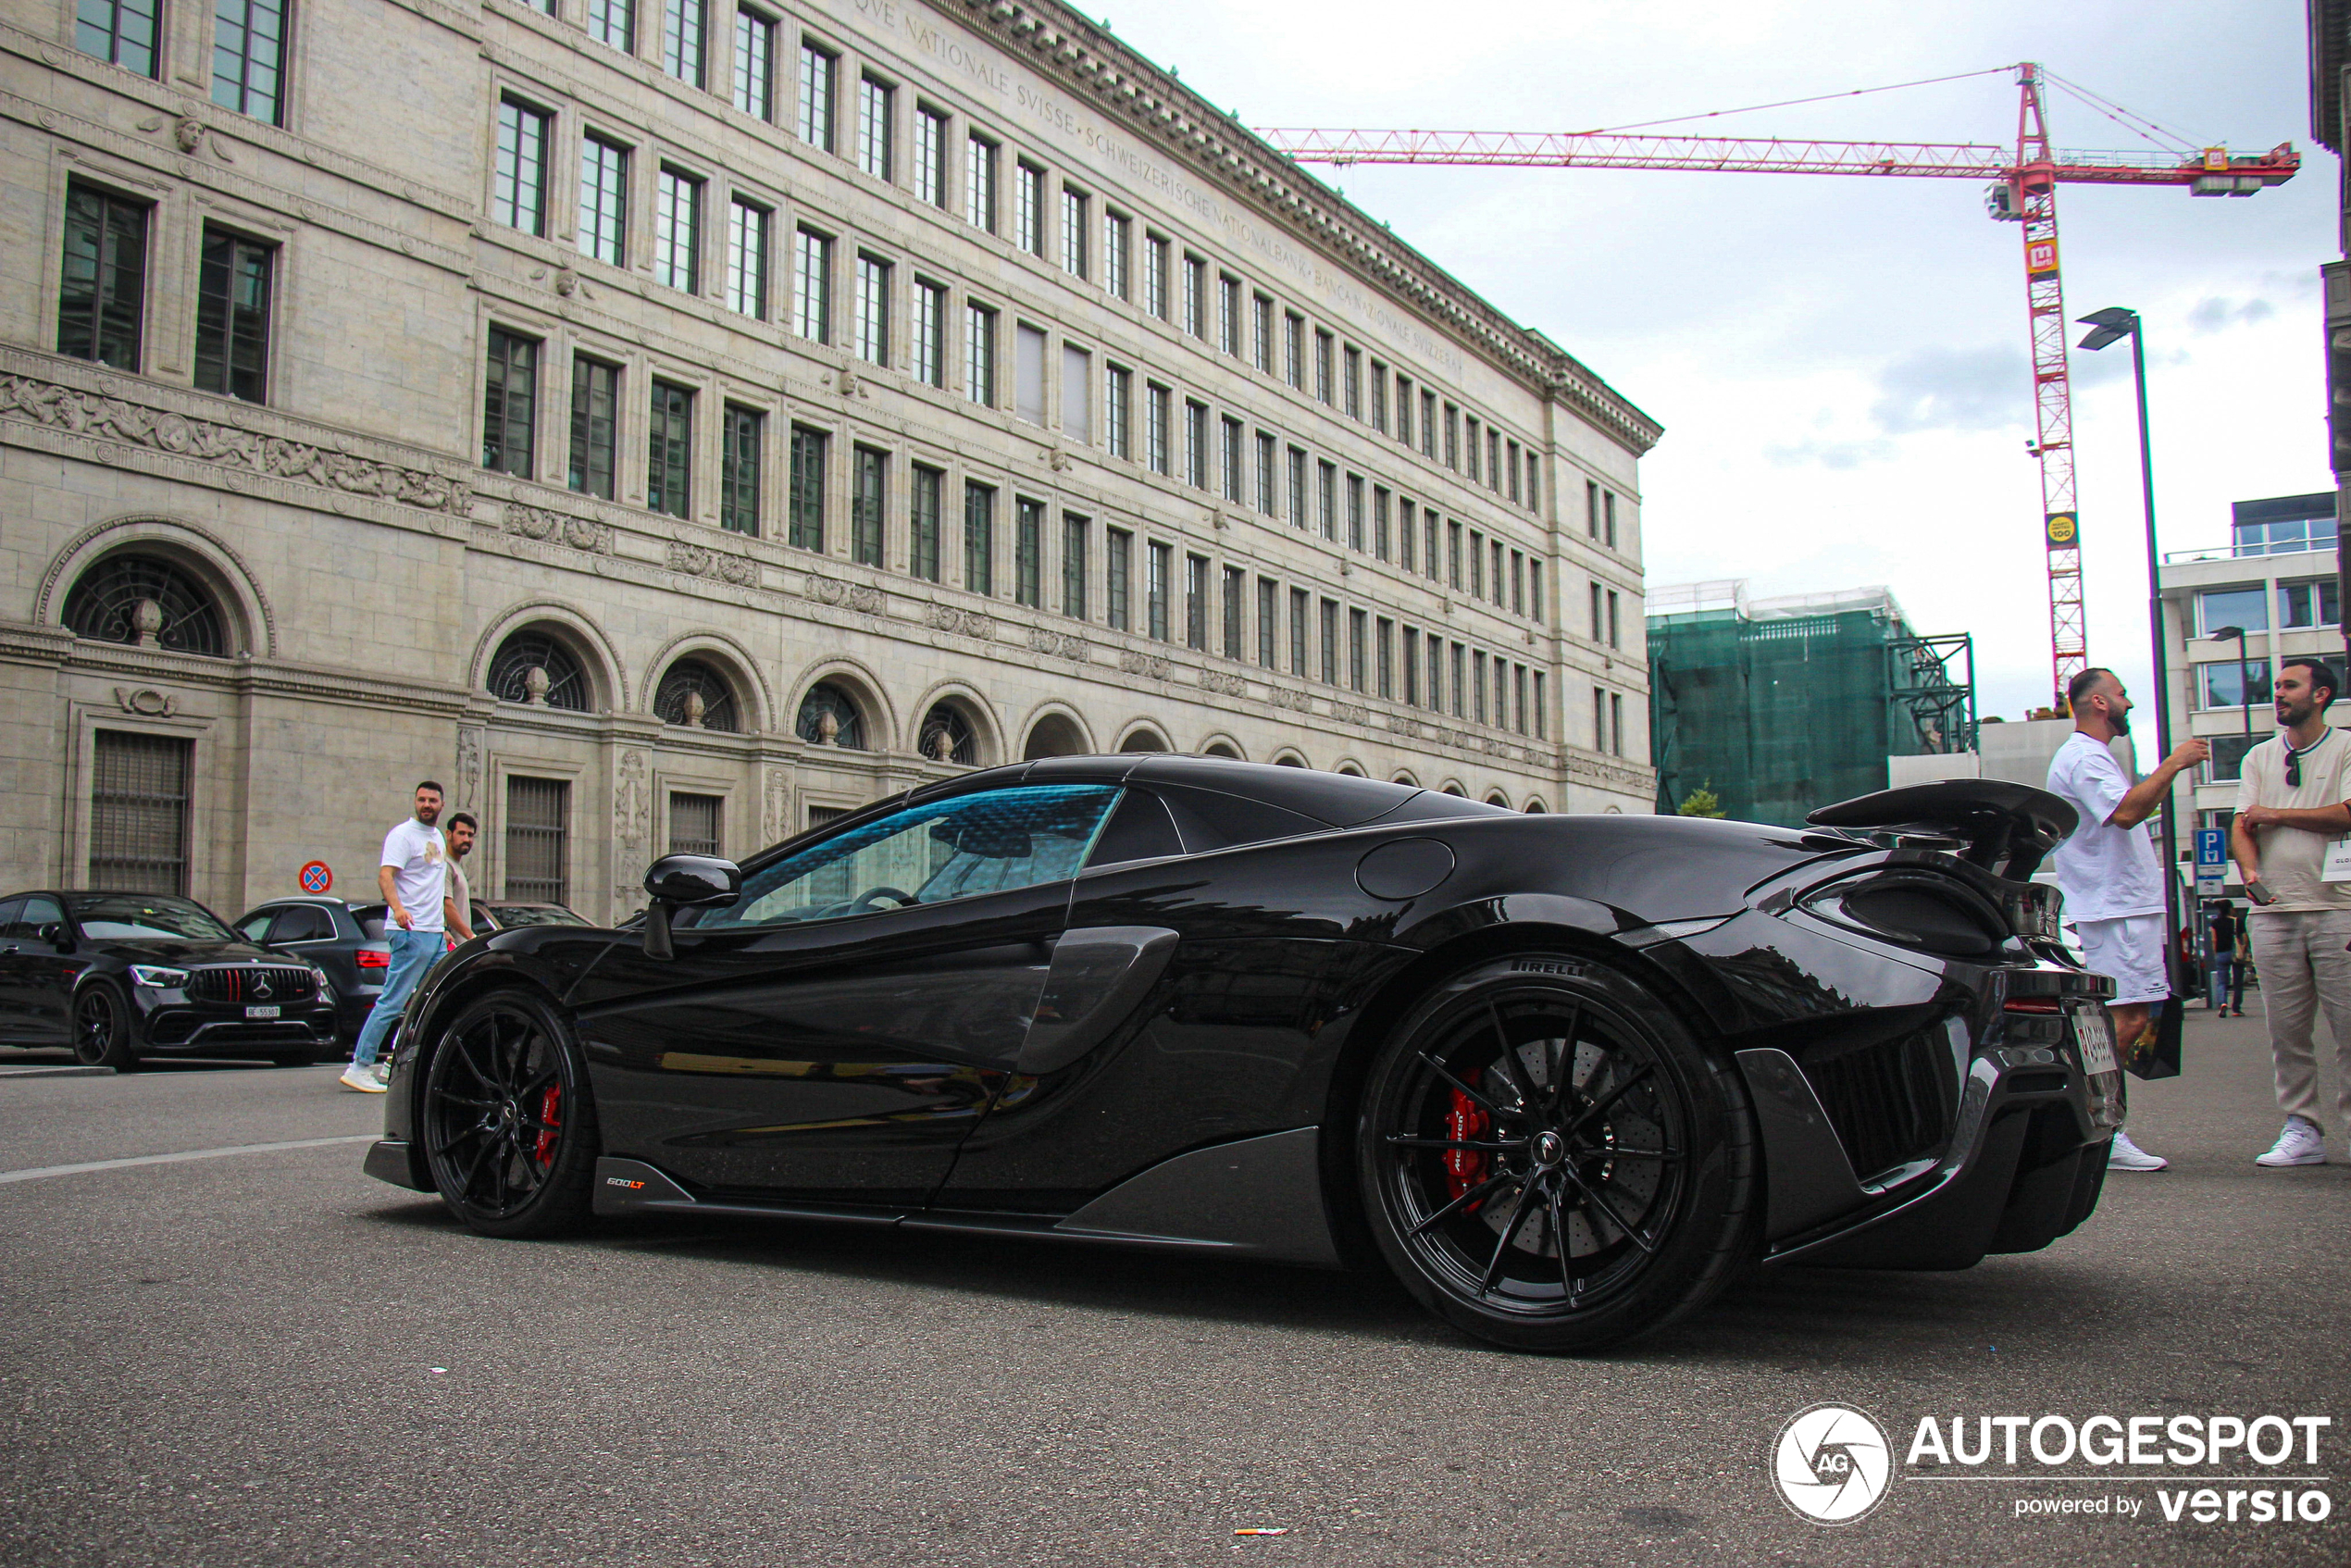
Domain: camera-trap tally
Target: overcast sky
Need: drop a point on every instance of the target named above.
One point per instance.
(1840, 364)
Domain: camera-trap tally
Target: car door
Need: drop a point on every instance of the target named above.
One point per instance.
(11, 1003)
(834, 1034)
(37, 970)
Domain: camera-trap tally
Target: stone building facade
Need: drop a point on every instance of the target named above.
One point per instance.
(666, 423)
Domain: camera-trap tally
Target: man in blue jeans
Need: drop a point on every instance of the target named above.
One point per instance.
(413, 877)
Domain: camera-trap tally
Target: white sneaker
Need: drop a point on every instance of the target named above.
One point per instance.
(2299, 1144)
(364, 1079)
(2125, 1155)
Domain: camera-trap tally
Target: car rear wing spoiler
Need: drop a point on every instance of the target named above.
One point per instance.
(2004, 827)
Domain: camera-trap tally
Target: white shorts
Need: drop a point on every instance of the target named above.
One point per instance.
(2130, 953)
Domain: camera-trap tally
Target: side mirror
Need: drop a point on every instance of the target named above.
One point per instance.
(684, 881)
(55, 934)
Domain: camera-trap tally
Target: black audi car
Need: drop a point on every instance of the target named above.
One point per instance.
(1563, 1075)
(123, 976)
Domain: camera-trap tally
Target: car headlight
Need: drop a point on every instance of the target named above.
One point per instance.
(158, 975)
(326, 987)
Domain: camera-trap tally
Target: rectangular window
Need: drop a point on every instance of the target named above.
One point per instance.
(1157, 410)
(121, 32)
(2223, 685)
(1268, 621)
(1159, 562)
(1406, 528)
(1428, 425)
(1597, 603)
(818, 67)
(1600, 719)
(595, 408)
(1351, 382)
(1235, 460)
(1452, 438)
(1460, 680)
(693, 823)
(1535, 588)
(510, 405)
(1453, 557)
(930, 334)
(1294, 349)
(1518, 582)
(1494, 462)
(1538, 704)
(1077, 394)
(980, 536)
(1117, 576)
(1195, 296)
(1118, 410)
(1428, 534)
(1323, 378)
(1616, 723)
(868, 503)
(1518, 698)
(1379, 397)
(614, 22)
(1076, 531)
(1358, 628)
(1028, 554)
(678, 231)
(930, 156)
(538, 835)
(1156, 260)
(1236, 595)
(1355, 511)
(922, 523)
(1612, 635)
(1196, 444)
(755, 63)
(1300, 632)
(1028, 373)
(743, 436)
(669, 450)
(1411, 655)
(1533, 504)
(1196, 602)
(872, 309)
(1607, 519)
(1327, 499)
(876, 119)
(1477, 681)
(1510, 462)
(1029, 207)
(2217, 607)
(139, 789)
(1473, 447)
(1116, 237)
(1261, 310)
(1384, 640)
(232, 315)
(812, 287)
(603, 201)
(681, 40)
(1380, 538)
(1436, 672)
(1266, 481)
(2308, 604)
(1297, 488)
(1228, 314)
(1404, 409)
(1075, 229)
(979, 354)
(979, 183)
(518, 189)
(1330, 642)
(249, 56)
(804, 524)
(1591, 509)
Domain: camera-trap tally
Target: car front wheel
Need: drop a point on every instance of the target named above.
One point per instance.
(102, 1029)
(1549, 1160)
(509, 1124)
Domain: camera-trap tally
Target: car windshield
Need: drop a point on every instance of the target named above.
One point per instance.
(950, 848)
(510, 915)
(137, 917)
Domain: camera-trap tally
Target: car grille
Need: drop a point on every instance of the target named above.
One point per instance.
(1889, 1102)
(255, 984)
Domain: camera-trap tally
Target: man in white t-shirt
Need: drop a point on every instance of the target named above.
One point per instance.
(2109, 872)
(2291, 799)
(413, 882)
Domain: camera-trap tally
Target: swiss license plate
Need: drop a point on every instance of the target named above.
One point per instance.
(2094, 1030)
(271, 1012)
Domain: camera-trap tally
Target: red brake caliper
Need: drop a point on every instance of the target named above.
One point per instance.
(1464, 1168)
(549, 1103)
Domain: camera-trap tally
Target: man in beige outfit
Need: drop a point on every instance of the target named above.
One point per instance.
(2290, 807)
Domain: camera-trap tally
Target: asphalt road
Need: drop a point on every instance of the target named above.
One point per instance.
(267, 1358)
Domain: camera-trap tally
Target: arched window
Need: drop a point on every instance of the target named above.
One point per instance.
(690, 682)
(1219, 749)
(147, 600)
(1534, 808)
(1286, 761)
(1348, 770)
(948, 736)
(1143, 739)
(829, 717)
(531, 667)
(1055, 735)
(1499, 799)
(1454, 790)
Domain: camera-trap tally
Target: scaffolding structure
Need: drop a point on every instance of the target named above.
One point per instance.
(1780, 705)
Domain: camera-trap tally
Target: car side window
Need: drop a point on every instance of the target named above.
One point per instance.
(1138, 830)
(12, 927)
(39, 914)
(302, 923)
(256, 926)
(956, 847)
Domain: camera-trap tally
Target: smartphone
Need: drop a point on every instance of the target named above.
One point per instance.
(2258, 893)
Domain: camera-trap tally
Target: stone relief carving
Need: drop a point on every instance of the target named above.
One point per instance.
(631, 820)
(1061, 644)
(1282, 697)
(468, 769)
(240, 452)
(146, 701)
(556, 527)
(859, 596)
(699, 560)
(1351, 713)
(1131, 662)
(1217, 680)
(969, 623)
(775, 807)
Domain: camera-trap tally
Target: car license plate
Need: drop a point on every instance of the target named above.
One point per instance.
(2094, 1031)
(269, 1012)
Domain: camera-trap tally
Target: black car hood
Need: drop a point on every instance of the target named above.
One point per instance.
(164, 950)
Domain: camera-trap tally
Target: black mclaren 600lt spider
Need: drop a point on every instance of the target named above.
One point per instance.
(1564, 1076)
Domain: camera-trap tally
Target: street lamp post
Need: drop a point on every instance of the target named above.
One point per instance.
(2112, 326)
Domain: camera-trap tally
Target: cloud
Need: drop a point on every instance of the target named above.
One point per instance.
(1942, 389)
(1837, 454)
(2216, 314)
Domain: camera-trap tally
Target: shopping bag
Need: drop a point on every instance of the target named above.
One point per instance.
(2156, 1053)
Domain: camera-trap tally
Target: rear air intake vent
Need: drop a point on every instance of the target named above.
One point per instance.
(1889, 1102)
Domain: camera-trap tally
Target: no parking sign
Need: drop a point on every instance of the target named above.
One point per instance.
(316, 878)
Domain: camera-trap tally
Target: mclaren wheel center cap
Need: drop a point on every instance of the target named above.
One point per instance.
(1549, 1147)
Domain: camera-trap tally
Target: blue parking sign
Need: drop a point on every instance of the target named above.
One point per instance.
(2212, 859)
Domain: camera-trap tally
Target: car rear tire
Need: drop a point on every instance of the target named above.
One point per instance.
(1542, 1099)
(509, 1120)
(102, 1032)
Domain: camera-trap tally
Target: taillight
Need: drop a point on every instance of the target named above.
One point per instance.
(2035, 1004)
(368, 958)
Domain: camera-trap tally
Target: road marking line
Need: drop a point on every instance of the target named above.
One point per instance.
(36, 1172)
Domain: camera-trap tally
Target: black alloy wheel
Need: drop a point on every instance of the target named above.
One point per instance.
(509, 1126)
(1549, 1161)
(102, 1028)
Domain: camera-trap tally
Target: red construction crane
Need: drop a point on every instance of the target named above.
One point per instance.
(2023, 191)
